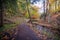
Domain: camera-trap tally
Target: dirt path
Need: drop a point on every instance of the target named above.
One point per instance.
(25, 33)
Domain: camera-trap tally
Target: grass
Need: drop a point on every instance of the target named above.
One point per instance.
(7, 26)
(57, 37)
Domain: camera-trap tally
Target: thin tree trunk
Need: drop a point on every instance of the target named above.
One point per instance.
(28, 11)
(44, 16)
(49, 7)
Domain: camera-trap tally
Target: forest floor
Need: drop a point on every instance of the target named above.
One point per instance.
(46, 34)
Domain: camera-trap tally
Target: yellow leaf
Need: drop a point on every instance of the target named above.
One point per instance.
(51, 1)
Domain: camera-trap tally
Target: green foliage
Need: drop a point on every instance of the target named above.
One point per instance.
(11, 7)
(21, 6)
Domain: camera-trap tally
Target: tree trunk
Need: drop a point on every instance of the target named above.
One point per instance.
(1, 12)
(28, 11)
